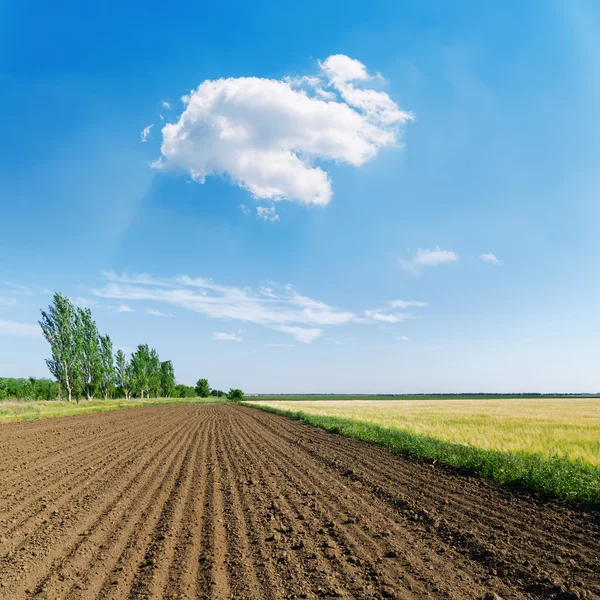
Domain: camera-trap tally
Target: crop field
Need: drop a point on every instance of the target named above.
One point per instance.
(223, 501)
(27, 410)
(549, 445)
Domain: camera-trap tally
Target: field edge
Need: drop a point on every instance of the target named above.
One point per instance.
(556, 477)
(86, 407)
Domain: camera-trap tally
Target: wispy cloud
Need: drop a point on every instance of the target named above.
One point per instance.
(244, 209)
(302, 334)
(408, 304)
(124, 308)
(402, 338)
(491, 259)
(227, 337)
(267, 213)
(138, 278)
(166, 104)
(265, 134)
(388, 317)
(146, 132)
(276, 306)
(158, 313)
(427, 258)
(13, 328)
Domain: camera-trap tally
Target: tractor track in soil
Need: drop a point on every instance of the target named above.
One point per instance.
(224, 501)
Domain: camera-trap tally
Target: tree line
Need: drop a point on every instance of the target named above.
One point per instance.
(84, 365)
(83, 362)
(28, 388)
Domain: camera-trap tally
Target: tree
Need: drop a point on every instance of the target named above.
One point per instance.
(184, 391)
(141, 370)
(202, 388)
(218, 393)
(167, 379)
(59, 326)
(89, 346)
(235, 394)
(123, 374)
(107, 375)
(154, 373)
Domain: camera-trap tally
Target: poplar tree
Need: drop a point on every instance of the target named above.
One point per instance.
(140, 370)
(155, 373)
(107, 375)
(59, 326)
(123, 373)
(91, 363)
(167, 379)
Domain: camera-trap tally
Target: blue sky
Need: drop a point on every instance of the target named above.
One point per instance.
(284, 229)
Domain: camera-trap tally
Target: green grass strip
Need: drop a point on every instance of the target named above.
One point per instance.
(555, 476)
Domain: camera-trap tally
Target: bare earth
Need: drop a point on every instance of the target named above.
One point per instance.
(227, 502)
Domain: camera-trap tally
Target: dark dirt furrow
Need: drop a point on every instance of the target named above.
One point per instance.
(292, 547)
(332, 452)
(106, 541)
(222, 501)
(340, 516)
(489, 535)
(57, 498)
(68, 552)
(44, 452)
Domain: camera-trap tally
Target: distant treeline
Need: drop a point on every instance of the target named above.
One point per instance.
(28, 389)
(84, 365)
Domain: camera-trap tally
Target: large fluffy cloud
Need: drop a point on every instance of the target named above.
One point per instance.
(266, 134)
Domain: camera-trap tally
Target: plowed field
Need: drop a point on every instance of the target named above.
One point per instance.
(223, 501)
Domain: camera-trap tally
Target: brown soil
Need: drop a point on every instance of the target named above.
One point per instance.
(227, 502)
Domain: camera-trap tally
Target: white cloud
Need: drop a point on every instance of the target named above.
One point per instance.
(302, 334)
(124, 308)
(227, 337)
(408, 303)
(267, 213)
(265, 134)
(16, 329)
(427, 258)
(146, 132)
(402, 338)
(491, 259)
(166, 104)
(244, 209)
(382, 317)
(138, 278)
(278, 307)
(158, 313)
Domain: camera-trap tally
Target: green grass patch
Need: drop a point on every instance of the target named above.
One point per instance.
(19, 410)
(554, 476)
